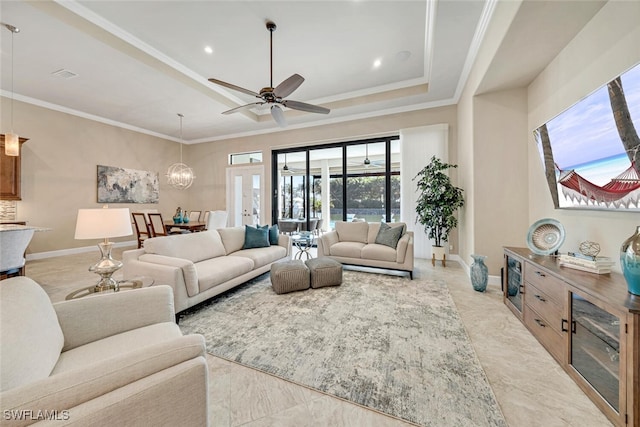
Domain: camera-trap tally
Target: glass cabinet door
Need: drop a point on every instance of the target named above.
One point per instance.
(513, 281)
(595, 348)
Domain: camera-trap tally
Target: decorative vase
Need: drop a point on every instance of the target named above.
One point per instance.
(177, 218)
(479, 273)
(185, 219)
(630, 262)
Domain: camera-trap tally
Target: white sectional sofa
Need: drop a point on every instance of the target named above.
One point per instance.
(355, 243)
(201, 265)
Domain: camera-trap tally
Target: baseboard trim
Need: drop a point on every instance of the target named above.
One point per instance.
(74, 251)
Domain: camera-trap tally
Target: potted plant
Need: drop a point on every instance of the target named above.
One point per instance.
(437, 203)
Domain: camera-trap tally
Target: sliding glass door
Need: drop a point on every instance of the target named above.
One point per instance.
(349, 181)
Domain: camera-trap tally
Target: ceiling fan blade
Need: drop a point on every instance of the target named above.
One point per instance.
(303, 106)
(234, 87)
(234, 110)
(287, 87)
(278, 115)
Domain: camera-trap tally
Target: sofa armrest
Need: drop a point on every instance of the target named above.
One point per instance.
(113, 313)
(325, 241)
(284, 240)
(404, 243)
(69, 389)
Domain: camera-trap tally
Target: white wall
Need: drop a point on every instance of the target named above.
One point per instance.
(417, 146)
(607, 46)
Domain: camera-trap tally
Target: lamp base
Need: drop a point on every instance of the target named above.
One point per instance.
(105, 268)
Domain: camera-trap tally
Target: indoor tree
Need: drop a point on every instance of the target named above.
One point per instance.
(438, 201)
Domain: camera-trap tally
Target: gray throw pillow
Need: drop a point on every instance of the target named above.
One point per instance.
(256, 237)
(388, 235)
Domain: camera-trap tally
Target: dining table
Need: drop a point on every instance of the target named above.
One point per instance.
(190, 226)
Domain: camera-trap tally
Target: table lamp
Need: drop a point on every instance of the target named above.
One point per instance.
(102, 224)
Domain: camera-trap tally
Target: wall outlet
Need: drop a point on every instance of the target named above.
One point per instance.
(450, 247)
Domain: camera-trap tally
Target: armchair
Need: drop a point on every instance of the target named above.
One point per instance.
(116, 359)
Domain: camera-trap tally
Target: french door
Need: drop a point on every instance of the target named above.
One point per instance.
(245, 195)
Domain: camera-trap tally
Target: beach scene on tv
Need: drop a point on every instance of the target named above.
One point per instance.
(591, 151)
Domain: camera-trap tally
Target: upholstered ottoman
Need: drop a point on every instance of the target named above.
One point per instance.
(324, 272)
(289, 276)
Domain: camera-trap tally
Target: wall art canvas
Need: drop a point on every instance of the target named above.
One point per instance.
(591, 151)
(120, 185)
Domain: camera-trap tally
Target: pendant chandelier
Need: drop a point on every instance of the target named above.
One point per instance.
(179, 175)
(11, 139)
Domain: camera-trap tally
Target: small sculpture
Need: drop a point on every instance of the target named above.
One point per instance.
(589, 248)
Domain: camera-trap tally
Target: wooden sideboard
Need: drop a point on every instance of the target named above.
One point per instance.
(10, 173)
(589, 323)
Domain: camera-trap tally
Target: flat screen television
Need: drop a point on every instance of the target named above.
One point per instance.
(591, 151)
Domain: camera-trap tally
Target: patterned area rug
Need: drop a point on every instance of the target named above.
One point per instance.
(385, 342)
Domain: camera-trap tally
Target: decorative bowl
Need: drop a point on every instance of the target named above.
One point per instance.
(545, 236)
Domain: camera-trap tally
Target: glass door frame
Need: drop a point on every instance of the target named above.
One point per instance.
(307, 149)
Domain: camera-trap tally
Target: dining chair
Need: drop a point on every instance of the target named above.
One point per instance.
(157, 225)
(318, 230)
(194, 216)
(287, 226)
(216, 219)
(142, 227)
(205, 217)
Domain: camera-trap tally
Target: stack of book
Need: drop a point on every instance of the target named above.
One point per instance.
(598, 265)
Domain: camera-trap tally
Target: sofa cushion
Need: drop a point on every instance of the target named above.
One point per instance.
(256, 237)
(374, 228)
(232, 238)
(31, 335)
(379, 252)
(193, 246)
(352, 231)
(274, 234)
(347, 249)
(115, 345)
(215, 271)
(388, 235)
(262, 256)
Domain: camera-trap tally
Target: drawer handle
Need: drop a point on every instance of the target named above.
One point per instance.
(541, 274)
(539, 298)
(521, 288)
(540, 323)
(562, 327)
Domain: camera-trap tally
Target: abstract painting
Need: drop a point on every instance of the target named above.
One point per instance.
(120, 185)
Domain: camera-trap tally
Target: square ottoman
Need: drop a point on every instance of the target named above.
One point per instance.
(324, 272)
(289, 276)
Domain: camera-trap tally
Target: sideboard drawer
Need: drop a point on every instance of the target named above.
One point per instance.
(548, 337)
(550, 285)
(546, 307)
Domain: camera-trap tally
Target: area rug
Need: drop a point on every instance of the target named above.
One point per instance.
(392, 344)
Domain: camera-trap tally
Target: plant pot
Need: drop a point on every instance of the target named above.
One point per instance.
(438, 254)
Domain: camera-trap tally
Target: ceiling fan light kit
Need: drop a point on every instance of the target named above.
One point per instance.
(274, 96)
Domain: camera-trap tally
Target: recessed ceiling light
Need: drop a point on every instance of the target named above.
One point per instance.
(208, 49)
(377, 63)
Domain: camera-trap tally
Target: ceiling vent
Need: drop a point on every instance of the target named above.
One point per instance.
(64, 74)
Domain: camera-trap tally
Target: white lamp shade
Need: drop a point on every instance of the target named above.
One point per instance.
(11, 144)
(103, 223)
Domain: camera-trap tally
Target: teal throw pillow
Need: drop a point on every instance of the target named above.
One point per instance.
(388, 235)
(256, 237)
(273, 234)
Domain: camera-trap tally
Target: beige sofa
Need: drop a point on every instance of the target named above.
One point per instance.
(354, 243)
(111, 359)
(201, 265)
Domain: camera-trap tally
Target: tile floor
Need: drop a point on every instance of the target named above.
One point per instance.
(530, 386)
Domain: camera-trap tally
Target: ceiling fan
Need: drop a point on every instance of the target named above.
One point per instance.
(274, 96)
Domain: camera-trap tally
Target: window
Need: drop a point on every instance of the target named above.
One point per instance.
(244, 158)
(338, 182)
